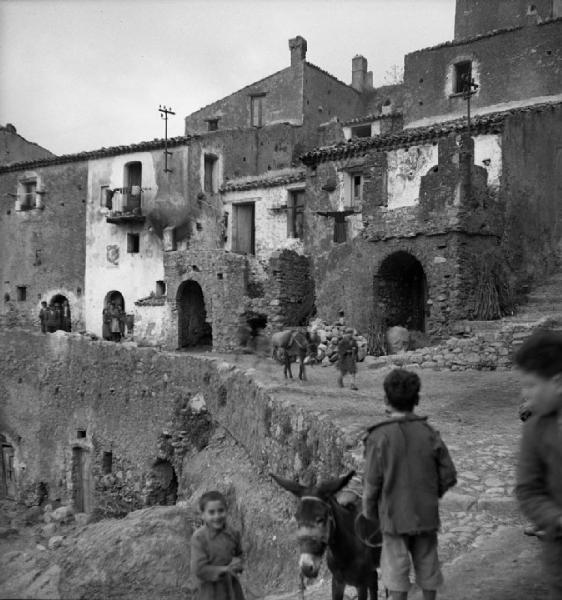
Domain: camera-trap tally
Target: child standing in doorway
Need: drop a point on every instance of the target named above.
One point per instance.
(216, 553)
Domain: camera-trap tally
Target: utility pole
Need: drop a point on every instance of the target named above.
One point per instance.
(469, 89)
(164, 115)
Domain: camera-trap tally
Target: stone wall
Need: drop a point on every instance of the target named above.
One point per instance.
(134, 403)
(532, 71)
(14, 148)
(43, 249)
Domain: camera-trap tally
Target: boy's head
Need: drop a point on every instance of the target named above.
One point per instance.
(43, 304)
(402, 389)
(213, 509)
(540, 360)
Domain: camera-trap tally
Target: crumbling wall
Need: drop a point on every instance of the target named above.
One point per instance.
(132, 402)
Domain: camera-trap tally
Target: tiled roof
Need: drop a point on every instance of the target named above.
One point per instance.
(269, 179)
(102, 152)
(482, 36)
(489, 123)
(372, 117)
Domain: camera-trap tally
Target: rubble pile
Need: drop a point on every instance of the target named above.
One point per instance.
(330, 337)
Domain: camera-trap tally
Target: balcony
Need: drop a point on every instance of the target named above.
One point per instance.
(126, 206)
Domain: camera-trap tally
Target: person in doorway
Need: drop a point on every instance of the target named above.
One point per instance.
(539, 475)
(116, 327)
(51, 319)
(407, 469)
(106, 323)
(43, 316)
(216, 553)
(66, 321)
(58, 318)
(347, 358)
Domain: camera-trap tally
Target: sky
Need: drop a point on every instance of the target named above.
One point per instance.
(84, 74)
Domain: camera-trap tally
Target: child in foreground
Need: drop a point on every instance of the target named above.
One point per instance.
(407, 470)
(216, 553)
(539, 477)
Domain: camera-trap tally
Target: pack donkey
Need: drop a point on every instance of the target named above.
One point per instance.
(324, 526)
(294, 345)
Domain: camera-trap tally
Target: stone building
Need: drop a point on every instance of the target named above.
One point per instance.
(14, 148)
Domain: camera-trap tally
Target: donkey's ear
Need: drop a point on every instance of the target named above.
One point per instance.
(291, 486)
(333, 486)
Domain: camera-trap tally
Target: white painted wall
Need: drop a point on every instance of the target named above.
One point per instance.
(271, 225)
(488, 154)
(135, 275)
(406, 167)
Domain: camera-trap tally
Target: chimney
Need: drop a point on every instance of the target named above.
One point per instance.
(358, 72)
(298, 50)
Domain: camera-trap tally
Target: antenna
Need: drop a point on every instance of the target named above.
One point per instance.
(164, 114)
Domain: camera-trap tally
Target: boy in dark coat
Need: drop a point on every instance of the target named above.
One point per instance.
(347, 358)
(539, 477)
(407, 470)
(216, 553)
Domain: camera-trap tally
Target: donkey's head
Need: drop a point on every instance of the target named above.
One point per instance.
(315, 519)
(312, 341)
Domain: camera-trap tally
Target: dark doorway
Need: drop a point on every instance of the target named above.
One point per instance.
(8, 475)
(113, 316)
(193, 329)
(401, 291)
(59, 316)
(81, 479)
(161, 484)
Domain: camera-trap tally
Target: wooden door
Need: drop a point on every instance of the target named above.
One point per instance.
(243, 228)
(9, 483)
(81, 464)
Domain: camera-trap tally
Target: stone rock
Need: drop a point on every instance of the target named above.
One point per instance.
(40, 547)
(458, 502)
(397, 339)
(361, 353)
(197, 404)
(82, 518)
(62, 514)
(7, 532)
(49, 530)
(55, 542)
(501, 507)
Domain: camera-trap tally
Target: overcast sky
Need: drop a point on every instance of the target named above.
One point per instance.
(81, 74)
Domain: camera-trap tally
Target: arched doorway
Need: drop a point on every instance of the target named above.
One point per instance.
(59, 316)
(113, 309)
(401, 291)
(193, 329)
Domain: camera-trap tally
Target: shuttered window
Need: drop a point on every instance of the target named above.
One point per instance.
(243, 228)
(295, 215)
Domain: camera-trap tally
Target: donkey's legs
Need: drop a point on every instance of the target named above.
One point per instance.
(288, 365)
(302, 370)
(338, 588)
(363, 593)
(373, 586)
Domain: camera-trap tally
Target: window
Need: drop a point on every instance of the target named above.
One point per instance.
(210, 173)
(81, 433)
(213, 124)
(21, 293)
(356, 189)
(361, 131)
(463, 76)
(160, 289)
(103, 195)
(256, 105)
(29, 195)
(133, 243)
(295, 215)
(132, 186)
(107, 463)
(340, 229)
(243, 228)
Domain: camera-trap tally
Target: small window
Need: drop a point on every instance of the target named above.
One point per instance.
(160, 289)
(107, 463)
(213, 124)
(103, 195)
(29, 194)
(81, 433)
(361, 131)
(357, 188)
(463, 76)
(133, 243)
(295, 215)
(256, 105)
(340, 229)
(210, 174)
(21, 293)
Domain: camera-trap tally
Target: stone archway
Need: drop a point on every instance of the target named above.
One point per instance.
(401, 291)
(161, 484)
(61, 317)
(193, 329)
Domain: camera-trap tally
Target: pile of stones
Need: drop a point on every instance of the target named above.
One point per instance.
(330, 337)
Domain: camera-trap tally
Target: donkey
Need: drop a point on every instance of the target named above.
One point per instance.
(326, 526)
(294, 345)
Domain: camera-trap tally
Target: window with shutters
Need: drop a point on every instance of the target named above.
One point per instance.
(462, 77)
(210, 184)
(243, 228)
(295, 214)
(256, 110)
(132, 186)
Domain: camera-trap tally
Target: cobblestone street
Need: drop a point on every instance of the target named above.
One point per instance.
(476, 413)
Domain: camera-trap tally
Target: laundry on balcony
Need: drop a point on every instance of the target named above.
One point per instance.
(125, 205)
